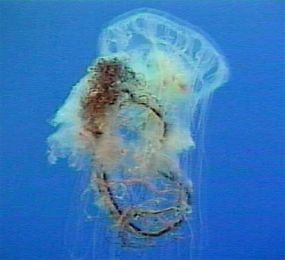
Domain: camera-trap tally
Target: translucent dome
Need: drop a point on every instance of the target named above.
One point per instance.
(144, 35)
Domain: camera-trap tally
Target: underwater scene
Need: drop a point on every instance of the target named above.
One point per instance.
(142, 129)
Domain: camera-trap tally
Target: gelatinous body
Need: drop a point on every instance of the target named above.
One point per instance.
(131, 119)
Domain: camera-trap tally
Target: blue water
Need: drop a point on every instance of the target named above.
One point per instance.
(45, 49)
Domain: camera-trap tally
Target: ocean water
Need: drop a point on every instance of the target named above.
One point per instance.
(45, 48)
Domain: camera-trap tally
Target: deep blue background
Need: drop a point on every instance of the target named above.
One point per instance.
(45, 49)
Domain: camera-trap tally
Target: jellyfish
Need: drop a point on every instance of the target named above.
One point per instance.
(133, 122)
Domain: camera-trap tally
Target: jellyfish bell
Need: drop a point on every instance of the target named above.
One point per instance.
(159, 45)
(131, 120)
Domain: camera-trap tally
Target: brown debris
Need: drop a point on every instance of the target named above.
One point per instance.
(102, 94)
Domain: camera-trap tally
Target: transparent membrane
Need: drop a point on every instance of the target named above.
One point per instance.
(133, 122)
